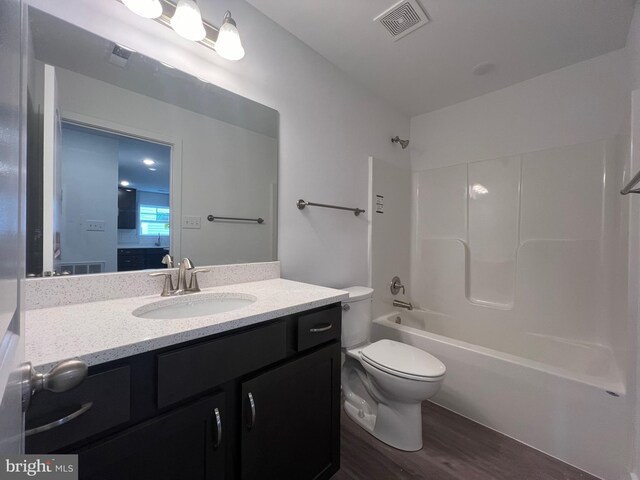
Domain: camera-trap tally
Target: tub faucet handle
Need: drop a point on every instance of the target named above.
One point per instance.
(396, 286)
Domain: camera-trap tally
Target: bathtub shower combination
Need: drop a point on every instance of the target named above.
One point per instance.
(518, 274)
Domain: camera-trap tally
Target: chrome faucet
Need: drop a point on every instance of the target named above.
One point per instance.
(401, 304)
(167, 260)
(184, 265)
(181, 288)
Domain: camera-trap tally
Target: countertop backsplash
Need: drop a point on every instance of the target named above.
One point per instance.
(70, 290)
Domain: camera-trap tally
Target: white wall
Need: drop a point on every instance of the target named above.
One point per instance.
(577, 104)
(633, 50)
(390, 232)
(329, 125)
(89, 171)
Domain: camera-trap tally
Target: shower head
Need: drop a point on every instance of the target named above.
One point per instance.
(403, 143)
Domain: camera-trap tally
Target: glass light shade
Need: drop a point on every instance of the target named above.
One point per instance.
(228, 44)
(187, 21)
(144, 8)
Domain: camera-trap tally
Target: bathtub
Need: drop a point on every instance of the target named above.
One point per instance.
(561, 397)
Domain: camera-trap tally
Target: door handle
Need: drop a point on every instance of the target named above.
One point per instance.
(61, 421)
(216, 414)
(62, 377)
(252, 405)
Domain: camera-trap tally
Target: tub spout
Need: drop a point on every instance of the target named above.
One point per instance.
(401, 304)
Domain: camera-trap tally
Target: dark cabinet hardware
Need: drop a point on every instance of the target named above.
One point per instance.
(252, 406)
(324, 328)
(216, 414)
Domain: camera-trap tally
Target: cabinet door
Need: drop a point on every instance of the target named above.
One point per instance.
(186, 444)
(291, 419)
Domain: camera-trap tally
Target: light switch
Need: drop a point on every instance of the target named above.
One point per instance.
(95, 225)
(190, 222)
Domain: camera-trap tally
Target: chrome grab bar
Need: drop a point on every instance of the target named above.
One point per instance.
(61, 421)
(213, 218)
(629, 186)
(301, 204)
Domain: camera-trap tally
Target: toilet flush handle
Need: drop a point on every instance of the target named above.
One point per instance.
(346, 307)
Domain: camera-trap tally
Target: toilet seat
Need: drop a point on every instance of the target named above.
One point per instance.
(404, 361)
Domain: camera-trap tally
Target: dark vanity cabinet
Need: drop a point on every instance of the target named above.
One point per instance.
(262, 402)
(141, 258)
(289, 419)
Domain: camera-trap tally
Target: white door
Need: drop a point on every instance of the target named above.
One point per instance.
(11, 232)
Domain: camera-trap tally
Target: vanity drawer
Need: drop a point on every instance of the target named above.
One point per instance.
(104, 400)
(319, 327)
(192, 370)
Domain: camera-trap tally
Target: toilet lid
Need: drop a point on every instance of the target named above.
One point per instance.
(402, 359)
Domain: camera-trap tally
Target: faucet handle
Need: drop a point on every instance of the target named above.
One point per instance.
(167, 289)
(167, 260)
(396, 286)
(193, 281)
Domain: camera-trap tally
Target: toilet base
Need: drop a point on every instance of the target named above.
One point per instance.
(399, 426)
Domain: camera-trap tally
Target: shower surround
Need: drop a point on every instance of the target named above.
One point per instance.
(518, 275)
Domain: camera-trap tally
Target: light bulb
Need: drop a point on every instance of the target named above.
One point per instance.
(228, 44)
(187, 21)
(144, 8)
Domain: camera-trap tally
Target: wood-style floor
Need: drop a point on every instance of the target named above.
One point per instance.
(455, 448)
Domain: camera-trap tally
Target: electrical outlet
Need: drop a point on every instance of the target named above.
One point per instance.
(190, 222)
(95, 225)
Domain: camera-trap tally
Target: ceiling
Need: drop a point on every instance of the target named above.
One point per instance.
(432, 67)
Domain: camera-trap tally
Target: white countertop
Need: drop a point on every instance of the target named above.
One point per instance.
(103, 331)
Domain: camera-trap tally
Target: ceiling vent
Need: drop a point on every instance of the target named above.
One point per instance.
(402, 18)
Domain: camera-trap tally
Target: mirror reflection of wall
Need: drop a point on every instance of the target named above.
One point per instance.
(115, 198)
(215, 152)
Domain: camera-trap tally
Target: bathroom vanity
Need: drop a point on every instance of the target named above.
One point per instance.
(255, 394)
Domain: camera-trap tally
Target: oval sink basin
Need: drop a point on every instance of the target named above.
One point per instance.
(194, 305)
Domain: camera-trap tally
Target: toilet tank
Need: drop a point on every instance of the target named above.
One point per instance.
(356, 316)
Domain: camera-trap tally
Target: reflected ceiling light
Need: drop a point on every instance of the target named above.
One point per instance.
(153, 169)
(228, 44)
(148, 161)
(145, 8)
(477, 190)
(187, 21)
(124, 183)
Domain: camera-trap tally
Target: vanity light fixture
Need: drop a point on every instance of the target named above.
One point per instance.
(186, 20)
(148, 161)
(228, 44)
(144, 8)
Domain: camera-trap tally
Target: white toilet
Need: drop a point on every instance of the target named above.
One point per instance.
(384, 383)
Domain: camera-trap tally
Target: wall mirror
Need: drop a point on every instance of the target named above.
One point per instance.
(130, 159)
